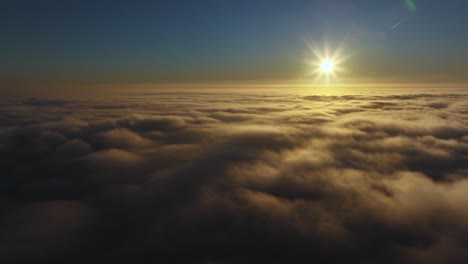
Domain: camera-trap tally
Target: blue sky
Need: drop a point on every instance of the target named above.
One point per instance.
(230, 40)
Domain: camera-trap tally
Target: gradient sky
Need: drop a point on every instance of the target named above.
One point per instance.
(211, 40)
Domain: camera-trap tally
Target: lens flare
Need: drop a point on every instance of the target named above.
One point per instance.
(327, 64)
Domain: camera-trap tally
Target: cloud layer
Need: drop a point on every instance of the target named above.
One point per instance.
(235, 177)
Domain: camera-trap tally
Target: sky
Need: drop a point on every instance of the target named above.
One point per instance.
(207, 40)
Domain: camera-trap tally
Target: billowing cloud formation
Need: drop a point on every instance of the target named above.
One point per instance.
(235, 178)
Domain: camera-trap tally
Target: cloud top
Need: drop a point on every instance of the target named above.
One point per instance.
(234, 178)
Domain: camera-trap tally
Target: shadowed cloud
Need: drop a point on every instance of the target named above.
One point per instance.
(279, 178)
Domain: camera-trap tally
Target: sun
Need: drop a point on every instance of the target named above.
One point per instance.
(328, 62)
(327, 66)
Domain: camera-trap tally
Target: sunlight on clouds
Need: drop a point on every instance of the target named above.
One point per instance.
(337, 174)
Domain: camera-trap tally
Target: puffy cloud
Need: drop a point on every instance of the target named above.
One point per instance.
(121, 138)
(75, 147)
(234, 178)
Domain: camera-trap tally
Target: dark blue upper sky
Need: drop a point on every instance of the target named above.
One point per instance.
(113, 40)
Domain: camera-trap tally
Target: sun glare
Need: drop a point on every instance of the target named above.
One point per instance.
(327, 66)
